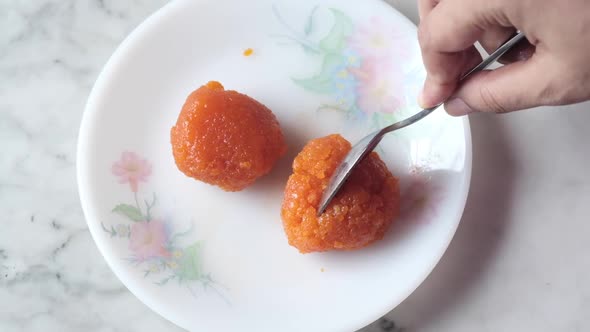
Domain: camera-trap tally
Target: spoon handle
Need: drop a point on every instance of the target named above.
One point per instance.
(367, 144)
(507, 46)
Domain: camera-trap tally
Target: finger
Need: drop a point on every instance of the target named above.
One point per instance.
(448, 69)
(494, 37)
(520, 52)
(450, 27)
(425, 7)
(446, 39)
(517, 86)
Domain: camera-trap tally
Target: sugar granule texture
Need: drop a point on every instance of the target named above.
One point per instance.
(359, 215)
(226, 138)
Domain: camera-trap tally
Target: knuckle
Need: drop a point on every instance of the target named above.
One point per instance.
(491, 101)
(551, 94)
(561, 91)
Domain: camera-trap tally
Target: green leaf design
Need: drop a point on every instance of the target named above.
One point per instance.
(335, 40)
(164, 281)
(189, 264)
(323, 82)
(112, 231)
(149, 206)
(309, 50)
(129, 211)
(309, 23)
(387, 119)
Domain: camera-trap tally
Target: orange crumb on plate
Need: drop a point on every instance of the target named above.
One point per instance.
(248, 52)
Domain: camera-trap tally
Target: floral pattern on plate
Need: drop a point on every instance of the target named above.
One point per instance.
(358, 66)
(152, 242)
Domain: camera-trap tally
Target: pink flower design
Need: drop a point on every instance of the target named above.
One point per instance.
(132, 169)
(379, 77)
(376, 39)
(378, 83)
(149, 240)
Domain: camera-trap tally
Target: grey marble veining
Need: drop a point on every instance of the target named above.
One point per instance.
(52, 277)
(518, 262)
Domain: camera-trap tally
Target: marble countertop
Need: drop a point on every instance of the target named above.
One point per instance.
(519, 261)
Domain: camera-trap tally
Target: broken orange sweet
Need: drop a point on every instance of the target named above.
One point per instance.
(359, 215)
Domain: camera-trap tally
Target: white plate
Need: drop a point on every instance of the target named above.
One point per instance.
(215, 261)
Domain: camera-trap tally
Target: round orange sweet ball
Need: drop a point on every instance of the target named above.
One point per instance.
(226, 138)
(359, 215)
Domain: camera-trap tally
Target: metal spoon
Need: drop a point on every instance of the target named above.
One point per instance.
(367, 144)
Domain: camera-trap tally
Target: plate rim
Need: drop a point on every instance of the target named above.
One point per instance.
(84, 190)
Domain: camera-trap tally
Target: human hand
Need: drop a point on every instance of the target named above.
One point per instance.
(555, 70)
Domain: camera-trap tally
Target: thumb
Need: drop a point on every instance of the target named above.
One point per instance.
(514, 87)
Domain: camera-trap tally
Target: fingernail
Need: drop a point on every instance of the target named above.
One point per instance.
(424, 99)
(421, 99)
(430, 94)
(457, 107)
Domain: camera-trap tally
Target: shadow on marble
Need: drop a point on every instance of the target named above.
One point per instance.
(479, 235)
